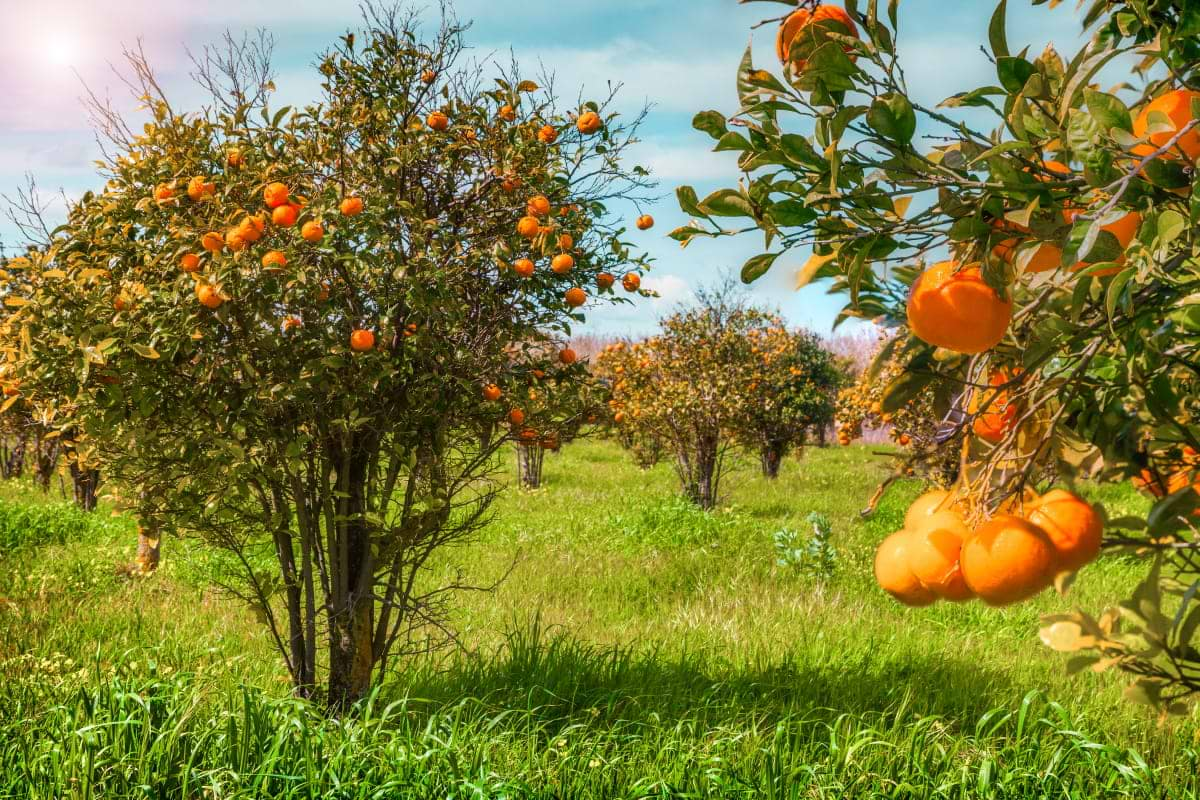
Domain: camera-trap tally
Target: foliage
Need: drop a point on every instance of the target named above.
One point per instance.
(337, 404)
(813, 556)
(1078, 206)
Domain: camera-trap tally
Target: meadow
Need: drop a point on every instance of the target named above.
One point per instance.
(635, 648)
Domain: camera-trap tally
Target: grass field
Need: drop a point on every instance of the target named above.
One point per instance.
(638, 648)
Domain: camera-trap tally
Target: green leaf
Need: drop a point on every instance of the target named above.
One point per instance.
(144, 351)
(996, 35)
(757, 266)
(1014, 72)
(1108, 111)
(900, 391)
(733, 141)
(710, 122)
(688, 202)
(727, 203)
(892, 117)
(791, 213)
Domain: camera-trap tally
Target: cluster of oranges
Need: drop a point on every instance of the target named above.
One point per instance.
(516, 416)
(860, 405)
(1006, 559)
(1184, 472)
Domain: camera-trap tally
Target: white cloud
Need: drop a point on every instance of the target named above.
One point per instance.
(669, 160)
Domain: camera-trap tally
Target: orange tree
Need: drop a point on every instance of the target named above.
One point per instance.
(609, 369)
(793, 390)
(290, 331)
(690, 387)
(1040, 252)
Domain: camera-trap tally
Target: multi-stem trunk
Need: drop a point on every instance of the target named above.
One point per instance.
(771, 455)
(699, 467)
(529, 465)
(352, 604)
(85, 483)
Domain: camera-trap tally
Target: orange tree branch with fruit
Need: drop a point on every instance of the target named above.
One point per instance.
(291, 332)
(1045, 266)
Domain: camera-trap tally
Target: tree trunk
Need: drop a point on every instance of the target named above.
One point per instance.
(771, 454)
(529, 465)
(351, 623)
(822, 435)
(85, 483)
(699, 470)
(148, 549)
(12, 461)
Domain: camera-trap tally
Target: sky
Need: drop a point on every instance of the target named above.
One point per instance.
(679, 58)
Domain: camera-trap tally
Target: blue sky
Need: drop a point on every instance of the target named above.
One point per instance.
(679, 57)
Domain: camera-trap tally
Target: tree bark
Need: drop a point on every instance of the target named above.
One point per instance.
(529, 465)
(148, 549)
(771, 455)
(85, 482)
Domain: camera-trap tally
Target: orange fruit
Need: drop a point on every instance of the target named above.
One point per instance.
(234, 240)
(198, 188)
(1177, 106)
(575, 297)
(528, 435)
(1045, 258)
(801, 18)
(1074, 527)
(428, 76)
(894, 575)
(567, 356)
(562, 264)
(1008, 559)
(351, 206)
(361, 340)
(312, 231)
(234, 158)
(189, 262)
(1124, 229)
(163, 193)
(528, 227)
(588, 123)
(953, 308)
(212, 242)
(492, 393)
(208, 296)
(251, 228)
(538, 206)
(565, 241)
(275, 195)
(285, 215)
(274, 261)
(547, 135)
(121, 303)
(925, 506)
(507, 113)
(437, 121)
(933, 555)
(904, 440)
(1000, 416)
(645, 222)
(631, 281)
(291, 323)
(516, 416)
(605, 280)
(523, 267)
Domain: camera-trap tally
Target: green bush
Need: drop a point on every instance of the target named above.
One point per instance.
(24, 525)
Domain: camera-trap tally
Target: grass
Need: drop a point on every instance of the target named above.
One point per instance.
(639, 648)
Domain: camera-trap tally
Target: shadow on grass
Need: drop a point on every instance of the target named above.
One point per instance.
(563, 681)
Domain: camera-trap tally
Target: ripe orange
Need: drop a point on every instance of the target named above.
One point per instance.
(567, 356)
(1008, 559)
(894, 575)
(575, 297)
(189, 262)
(163, 193)
(511, 183)
(1000, 415)
(361, 340)
(251, 228)
(523, 267)
(507, 113)
(198, 188)
(492, 393)
(428, 76)
(645, 222)
(437, 121)
(562, 264)
(208, 296)
(291, 323)
(234, 240)
(516, 416)
(122, 303)
(799, 19)
(631, 282)
(274, 261)
(565, 241)
(547, 135)
(1073, 526)
(275, 195)
(538, 206)
(588, 123)
(212, 242)
(285, 215)
(351, 206)
(1124, 229)
(312, 231)
(528, 435)
(953, 308)
(234, 158)
(605, 280)
(528, 227)
(926, 506)
(1177, 106)
(933, 555)
(904, 440)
